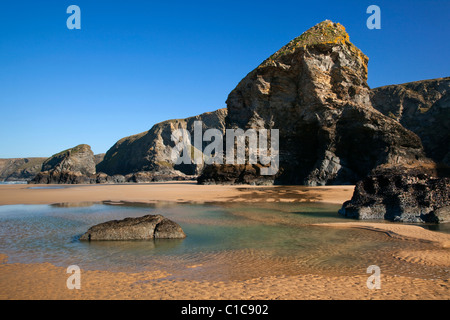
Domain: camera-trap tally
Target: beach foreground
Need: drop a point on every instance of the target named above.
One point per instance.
(47, 281)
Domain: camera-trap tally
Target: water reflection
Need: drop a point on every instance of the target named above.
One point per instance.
(138, 246)
(73, 204)
(48, 187)
(442, 227)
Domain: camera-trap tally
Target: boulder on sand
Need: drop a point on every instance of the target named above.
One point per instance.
(398, 194)
(142, 228)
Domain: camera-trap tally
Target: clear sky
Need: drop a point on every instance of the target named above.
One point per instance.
(137, 63)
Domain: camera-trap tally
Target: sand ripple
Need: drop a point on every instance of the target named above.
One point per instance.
(438, 257)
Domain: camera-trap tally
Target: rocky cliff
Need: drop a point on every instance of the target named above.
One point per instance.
(20, 169)
(150, 152)
(99, 158)
(422, 107)
(333, 128)
(314, 90)
(75, 165)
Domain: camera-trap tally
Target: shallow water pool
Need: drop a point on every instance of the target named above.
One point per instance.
(234, 241)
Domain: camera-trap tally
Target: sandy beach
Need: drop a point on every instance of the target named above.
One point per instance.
(171, 192)
(47, 281)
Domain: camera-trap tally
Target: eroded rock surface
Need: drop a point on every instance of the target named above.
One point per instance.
(151, 151)
(422, 107)
(71, 166)
(142, 228)
(397, 194)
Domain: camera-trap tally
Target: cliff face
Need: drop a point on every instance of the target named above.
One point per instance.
(25, 169)
(141, 158)
(99, 158)
(151, 151)
(422, 107)
(405, 194)
(332, 128)
(20, 169)
(314, 91)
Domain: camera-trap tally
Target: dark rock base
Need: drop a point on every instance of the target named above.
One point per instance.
(400, 195)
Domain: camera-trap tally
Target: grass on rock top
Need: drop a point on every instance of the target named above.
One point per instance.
(326, 32)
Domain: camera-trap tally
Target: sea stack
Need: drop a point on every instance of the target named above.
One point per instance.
(71, 166)
(314, 90)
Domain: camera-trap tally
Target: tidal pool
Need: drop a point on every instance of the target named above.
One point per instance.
(231, 241)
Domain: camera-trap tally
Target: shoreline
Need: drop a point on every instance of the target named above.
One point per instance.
(397, 230)
(47, 281)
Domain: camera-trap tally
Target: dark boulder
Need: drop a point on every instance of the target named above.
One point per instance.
(234, 174)
(398, 194)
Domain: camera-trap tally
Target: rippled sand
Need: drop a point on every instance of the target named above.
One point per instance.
(436, 257)
(45, 281)
(398, 230)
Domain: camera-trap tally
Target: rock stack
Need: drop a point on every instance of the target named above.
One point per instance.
(314, 90)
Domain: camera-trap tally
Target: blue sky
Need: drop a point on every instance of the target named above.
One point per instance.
(137, 63)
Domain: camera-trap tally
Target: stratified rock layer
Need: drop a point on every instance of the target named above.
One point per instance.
(314, 91)
(396, 194)
(143, 228)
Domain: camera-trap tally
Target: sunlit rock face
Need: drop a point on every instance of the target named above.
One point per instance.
(314, 90)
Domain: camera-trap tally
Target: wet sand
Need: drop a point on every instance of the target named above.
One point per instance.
(46, 281)
(398, 230)
(171, 191)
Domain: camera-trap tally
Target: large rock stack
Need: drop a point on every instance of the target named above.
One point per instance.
(314, 91)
